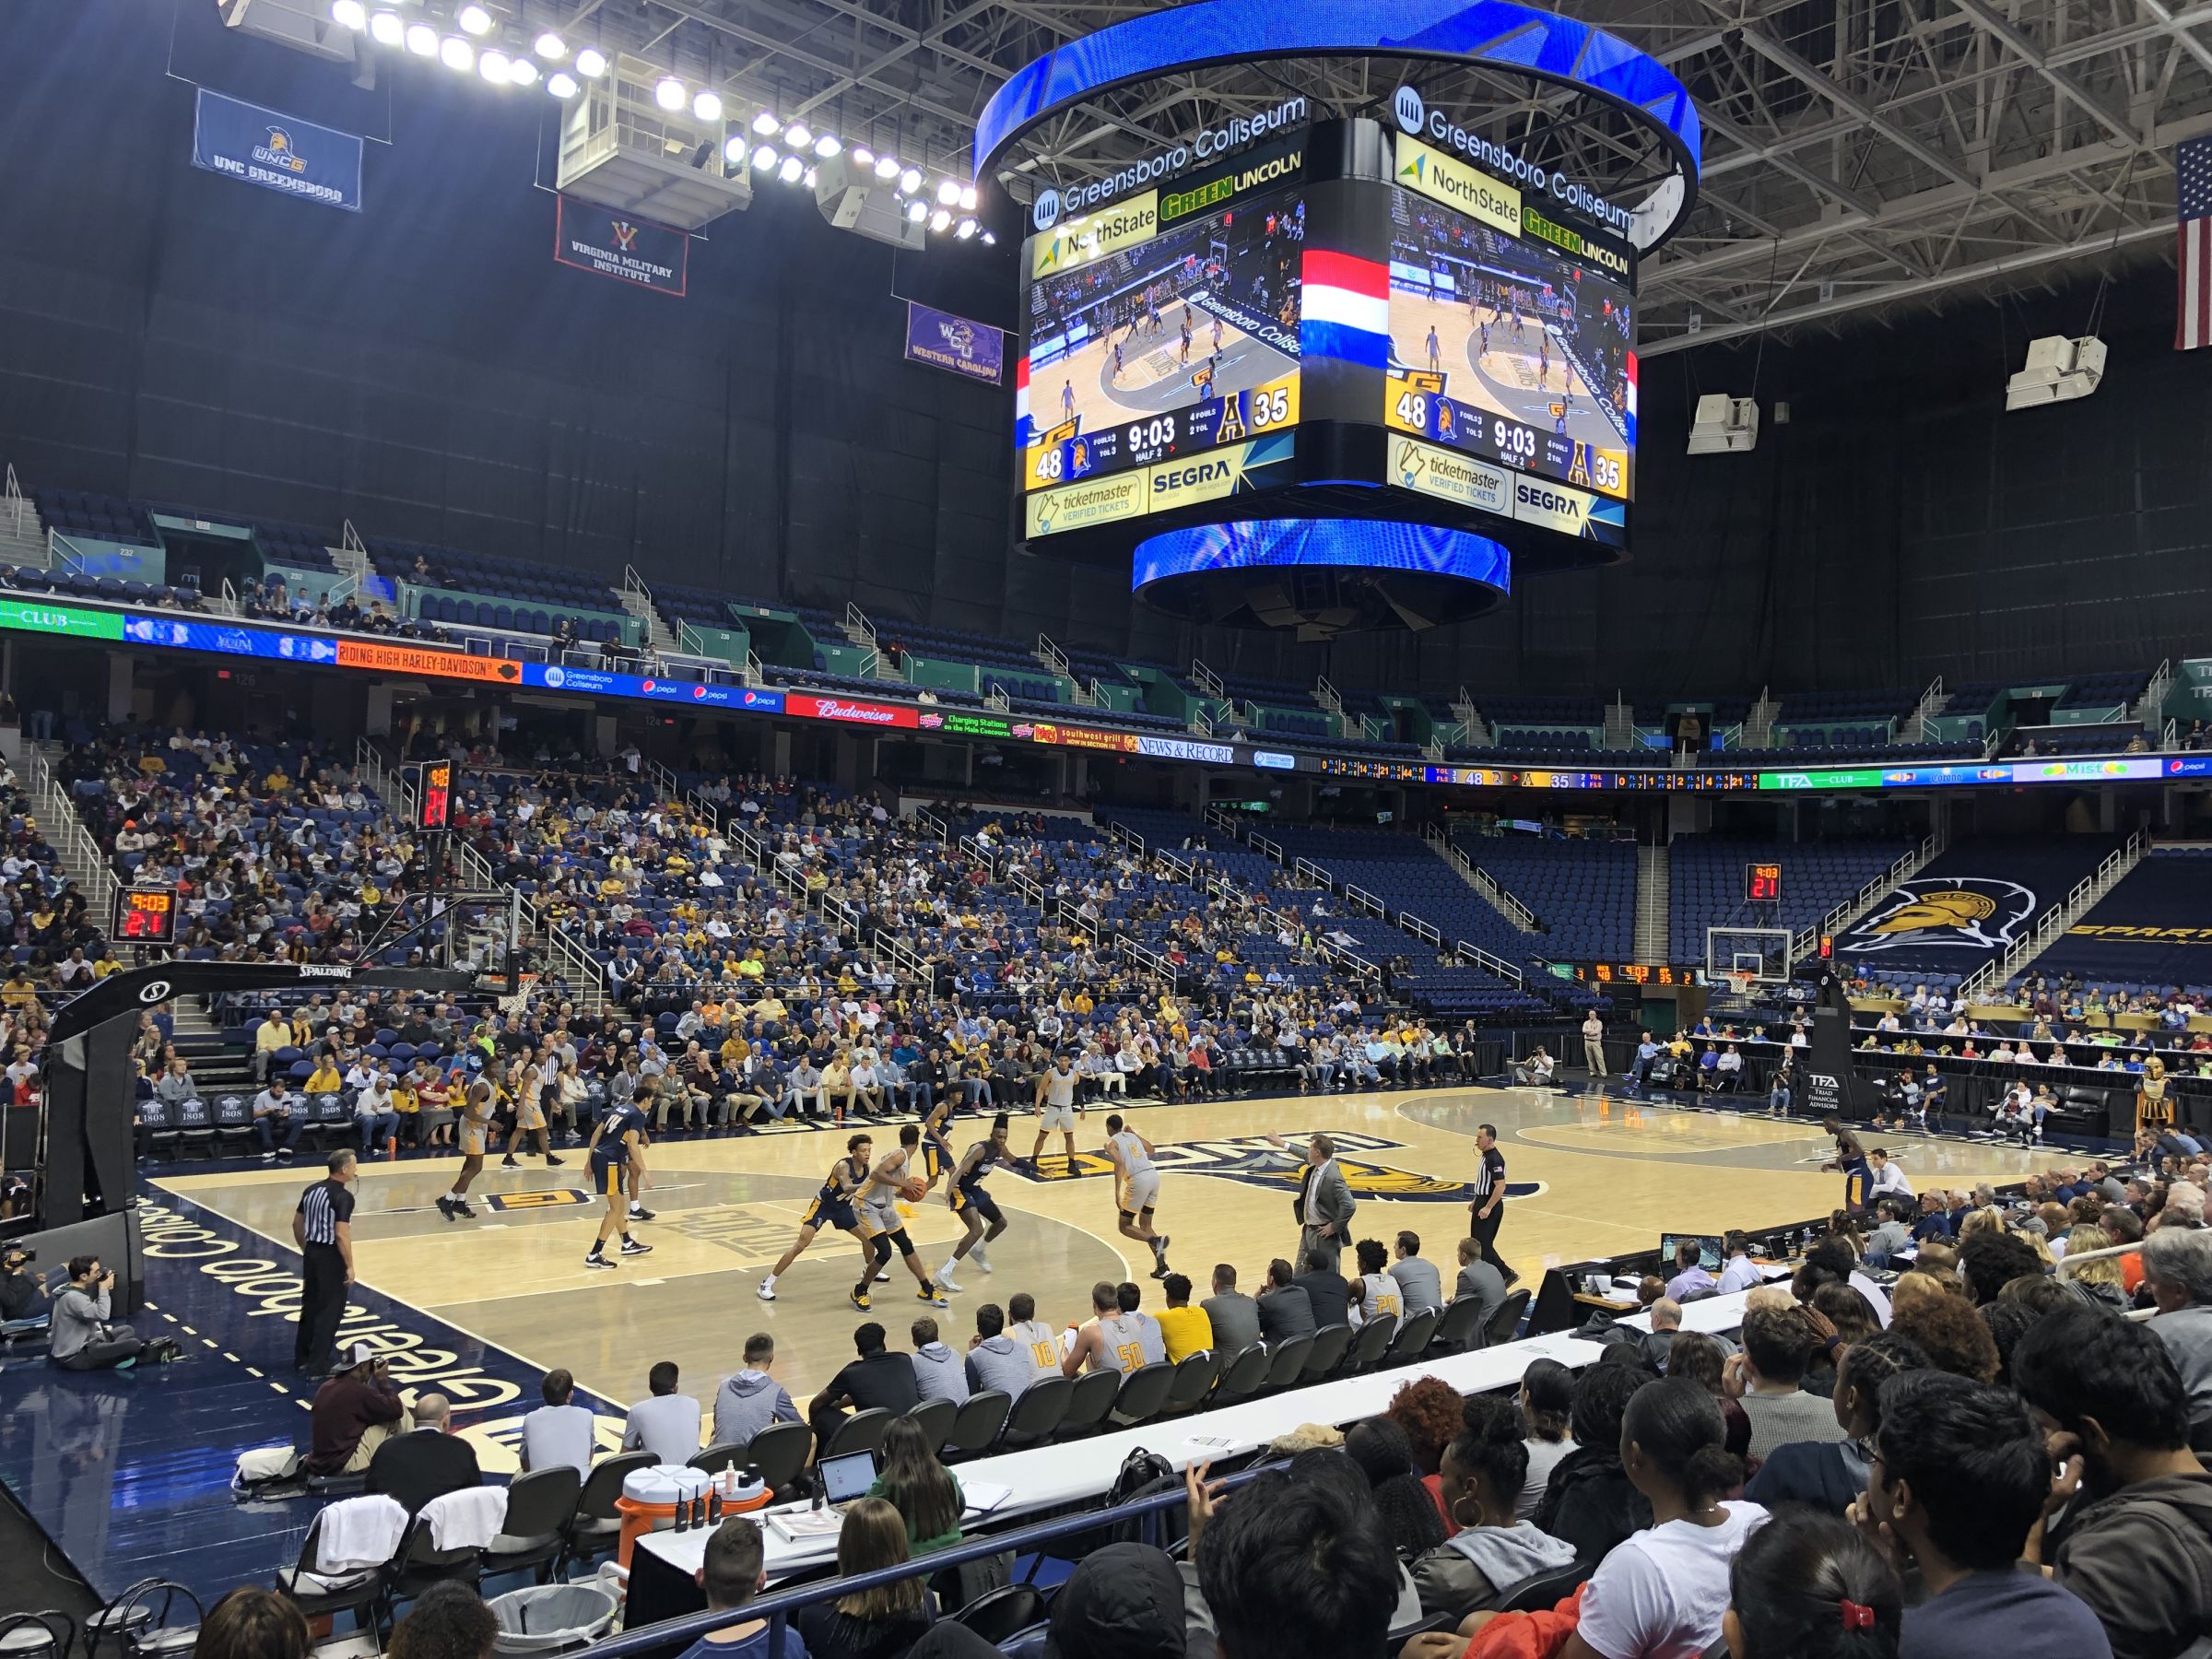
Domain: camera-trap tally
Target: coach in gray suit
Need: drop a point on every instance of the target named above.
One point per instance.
(1325, 1204)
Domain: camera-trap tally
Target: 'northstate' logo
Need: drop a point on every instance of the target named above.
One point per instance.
(1256, 1161)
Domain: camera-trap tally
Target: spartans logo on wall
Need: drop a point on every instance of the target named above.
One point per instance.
(1257, 1161)
(1964, 912)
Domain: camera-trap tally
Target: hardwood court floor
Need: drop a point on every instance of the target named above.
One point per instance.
(1590, 1175)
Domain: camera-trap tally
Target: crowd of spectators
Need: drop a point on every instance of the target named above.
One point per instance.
(1980, 1454)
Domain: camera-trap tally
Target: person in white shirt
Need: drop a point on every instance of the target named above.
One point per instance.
(1594, 1044)
(1739, 1273)
(1889, 1176)
(1663, 1592)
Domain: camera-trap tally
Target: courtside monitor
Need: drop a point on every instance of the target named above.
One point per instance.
(1710, 1247)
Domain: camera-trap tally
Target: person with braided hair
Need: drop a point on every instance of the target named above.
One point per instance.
(1663, 1592)
(1494, 1549)
(1807, 1587)
(1829, 1474)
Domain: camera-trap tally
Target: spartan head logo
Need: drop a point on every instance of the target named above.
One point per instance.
(1970, 913)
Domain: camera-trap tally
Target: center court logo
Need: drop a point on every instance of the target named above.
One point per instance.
(1256, 1160)
(1412, 113)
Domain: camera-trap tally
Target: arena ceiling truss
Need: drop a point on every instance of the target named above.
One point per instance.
(1861, 157)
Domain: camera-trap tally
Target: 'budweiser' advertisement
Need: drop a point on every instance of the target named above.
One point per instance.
(845, 709)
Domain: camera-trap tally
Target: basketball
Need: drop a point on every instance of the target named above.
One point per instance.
(913, 1189)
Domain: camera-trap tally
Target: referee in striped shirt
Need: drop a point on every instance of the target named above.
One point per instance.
(1486, 1215)
(322, 1229)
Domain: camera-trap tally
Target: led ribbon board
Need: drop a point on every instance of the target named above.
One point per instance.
(1511, 39)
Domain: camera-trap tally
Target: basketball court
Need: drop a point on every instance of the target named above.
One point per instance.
(1155, 375)
(1590, 1175)
(1514, 377)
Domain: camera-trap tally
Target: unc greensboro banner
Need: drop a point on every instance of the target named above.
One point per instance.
(974, 351)
(254, 146)
(621, 245)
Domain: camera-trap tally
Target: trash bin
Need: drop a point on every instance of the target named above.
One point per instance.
(553, 1619)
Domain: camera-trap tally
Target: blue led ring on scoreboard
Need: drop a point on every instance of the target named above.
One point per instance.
(1499, 34)
(1348, 543)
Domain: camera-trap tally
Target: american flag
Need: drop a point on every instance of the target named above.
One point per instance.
(2192, 174)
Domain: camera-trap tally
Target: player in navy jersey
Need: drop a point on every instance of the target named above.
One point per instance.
(972, 1205)
(831, 1207)
(617, 1145)
(937, 1156)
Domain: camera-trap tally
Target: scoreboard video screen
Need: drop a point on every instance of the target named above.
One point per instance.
(1161, 355)
(1512, 344)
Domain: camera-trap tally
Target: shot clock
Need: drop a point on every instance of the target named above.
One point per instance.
(433, 794)
(146, 915)
(1763, 883)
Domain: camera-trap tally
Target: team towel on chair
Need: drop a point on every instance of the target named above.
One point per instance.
(357, 1532)
(468, 1519)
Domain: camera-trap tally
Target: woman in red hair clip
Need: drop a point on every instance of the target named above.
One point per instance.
(1808, 1586)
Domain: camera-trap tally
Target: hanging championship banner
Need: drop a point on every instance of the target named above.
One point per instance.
(972, 350)
(632, 250)
(254, 146)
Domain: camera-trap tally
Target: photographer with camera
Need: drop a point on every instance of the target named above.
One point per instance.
(19, 1288)
(83, 1339)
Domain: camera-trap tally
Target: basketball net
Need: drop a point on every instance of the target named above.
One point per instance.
(1739, 983)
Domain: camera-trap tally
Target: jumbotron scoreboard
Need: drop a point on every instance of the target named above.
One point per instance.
(1346, 350)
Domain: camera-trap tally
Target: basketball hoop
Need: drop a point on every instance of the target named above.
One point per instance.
(1739, 983)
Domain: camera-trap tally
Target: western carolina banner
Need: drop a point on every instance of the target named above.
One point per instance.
(974, 351)
(593, 238)
(260, 146)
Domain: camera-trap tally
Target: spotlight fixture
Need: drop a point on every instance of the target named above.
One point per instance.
(862, 155)
(349, 14)
(765, 124)
(797, 136)
(492, 66)
(948, 193)
(940, 219)
(550, 47)
(670, 94)
(827, 146)
(386, 29)
(456, 53)
(733, 149)
(522, 72)
(707, 106)
(422, 40)
(965, 230)
(910, 181)
(474, 19)
(967, 198)
(916, 212)
(562, 83)
(793, 170)
(766, 157)
(591, 62)
(2059, 370)
(1723, 425)
(990, 240)
(810, 177)
(886, 167)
